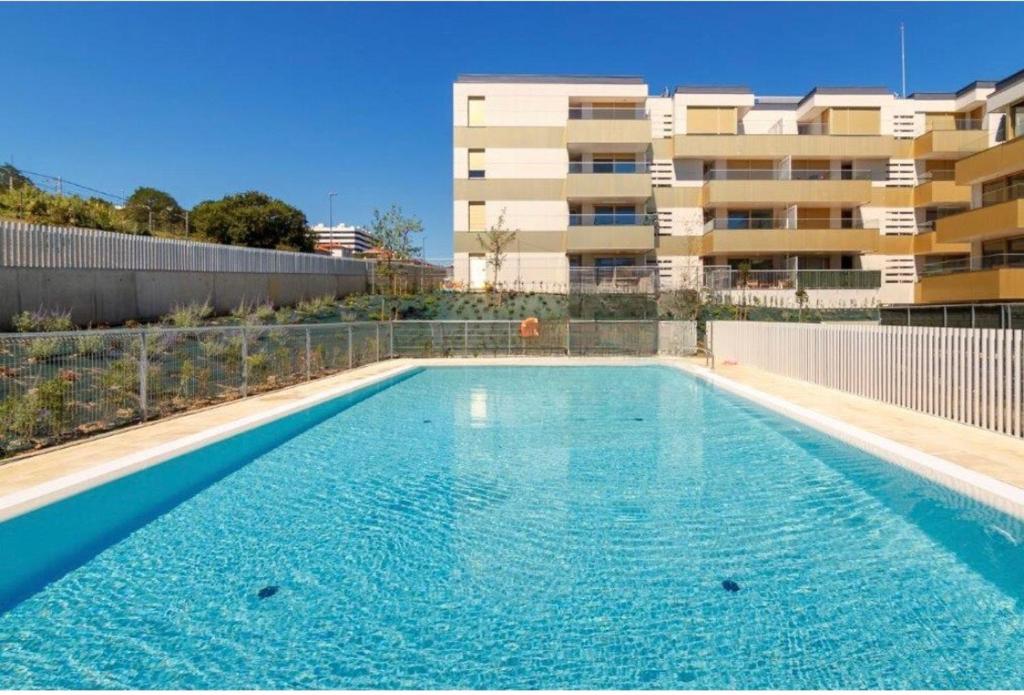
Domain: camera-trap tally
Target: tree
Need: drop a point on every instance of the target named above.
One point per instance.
(253, 219)
(11, 178)
(496, 242)
(166, 213)
(393, 232)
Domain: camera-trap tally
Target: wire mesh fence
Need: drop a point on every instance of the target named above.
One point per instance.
(58, 386)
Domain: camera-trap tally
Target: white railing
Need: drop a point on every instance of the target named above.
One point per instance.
(972, 376)
(24, 245)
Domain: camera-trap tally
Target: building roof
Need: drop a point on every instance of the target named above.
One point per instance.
(553, 79)
(1009, 81)
(845, 91)
(712, 89)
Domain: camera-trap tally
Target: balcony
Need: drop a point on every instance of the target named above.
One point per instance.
(994, 277)
(608, 180)
(926, 244)
(1002, 215)
(951, 142)
(1001, 160)
(795, 145)
(718, 279)
(800, 186)
(939, 188)
(632, 279)
(608, 124)
(590, 232)
(767, 236)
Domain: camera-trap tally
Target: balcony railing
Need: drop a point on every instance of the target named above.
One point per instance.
(965, 265)
(620, 279)
(609, 167)
(612, 218)
(607, 113)
(1003, 194)
(937, 175)
(732, 279)
(960, 124)
(812, 129)
(788, 175)
(784, 223)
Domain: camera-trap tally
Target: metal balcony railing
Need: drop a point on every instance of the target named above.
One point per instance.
(721, 279)
(788, 175)
(621, 279)
(612, 218)
(609, 167)
(989, 261)
(625, 112)
(785, 223)
(937, 175)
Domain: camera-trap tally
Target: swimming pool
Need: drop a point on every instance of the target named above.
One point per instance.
(518, 527)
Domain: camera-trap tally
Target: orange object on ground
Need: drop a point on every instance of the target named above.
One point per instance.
(529, 328)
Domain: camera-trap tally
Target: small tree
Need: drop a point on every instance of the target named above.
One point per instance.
(496, 242)
(393, 232)
(146, 204)
(801, 302)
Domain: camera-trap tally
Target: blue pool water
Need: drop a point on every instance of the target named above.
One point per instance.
(517, 527)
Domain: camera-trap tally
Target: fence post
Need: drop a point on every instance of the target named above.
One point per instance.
(568, 337)
(378, 342)
(350, 347)
(510, 337)
(391, 339)
(465, 338)
(309, 357)
(143, 376)
(245, 364)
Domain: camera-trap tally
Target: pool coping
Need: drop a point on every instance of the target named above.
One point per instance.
(982, 488)
(975, 485)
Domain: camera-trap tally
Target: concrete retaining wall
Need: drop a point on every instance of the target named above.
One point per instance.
(115, 296)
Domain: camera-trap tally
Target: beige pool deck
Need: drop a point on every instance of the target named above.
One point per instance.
(997, 456)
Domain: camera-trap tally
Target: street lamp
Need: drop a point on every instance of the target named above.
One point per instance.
(330, 202)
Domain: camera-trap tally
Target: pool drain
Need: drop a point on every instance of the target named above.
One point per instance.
(730, 586)
(267, 591)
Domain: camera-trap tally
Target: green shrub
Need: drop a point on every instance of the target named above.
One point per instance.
(189, 315)
(42, 321)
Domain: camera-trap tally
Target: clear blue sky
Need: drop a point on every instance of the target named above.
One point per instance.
(298, 100)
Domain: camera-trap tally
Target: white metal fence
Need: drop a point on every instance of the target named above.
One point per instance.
(972, 376)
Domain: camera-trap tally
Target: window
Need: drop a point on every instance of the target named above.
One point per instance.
(615, 214)
(846, 218)
(477, 216)
(475, 116)
(477, 169)
(1017, 119)
(846, 171)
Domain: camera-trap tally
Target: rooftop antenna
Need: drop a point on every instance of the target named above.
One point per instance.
(903, 58)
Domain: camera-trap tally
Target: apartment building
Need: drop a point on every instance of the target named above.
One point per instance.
(847, 193)
(341, 239)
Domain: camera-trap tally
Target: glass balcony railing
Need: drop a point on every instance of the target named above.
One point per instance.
(959, 124)
(745, 223)
(625, 112)
(989, 261)
(1003, 194)
(609, 167)
(812, 129)
(612, 218)
(789, 175)
(937, 175)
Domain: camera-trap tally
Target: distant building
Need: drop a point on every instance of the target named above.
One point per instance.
(341, 239)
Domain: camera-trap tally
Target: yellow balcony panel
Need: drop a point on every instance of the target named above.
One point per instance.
(996, 284)
(949, 144)
(606, 237)
(940, 192)
(787, 192)
(928, 245)
(982, 224)
(509, 189)
(853, 146)
(608, 186)
(612, 131)
(767, 241)
(1001, 160)
(509, 136)
(680, 245)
